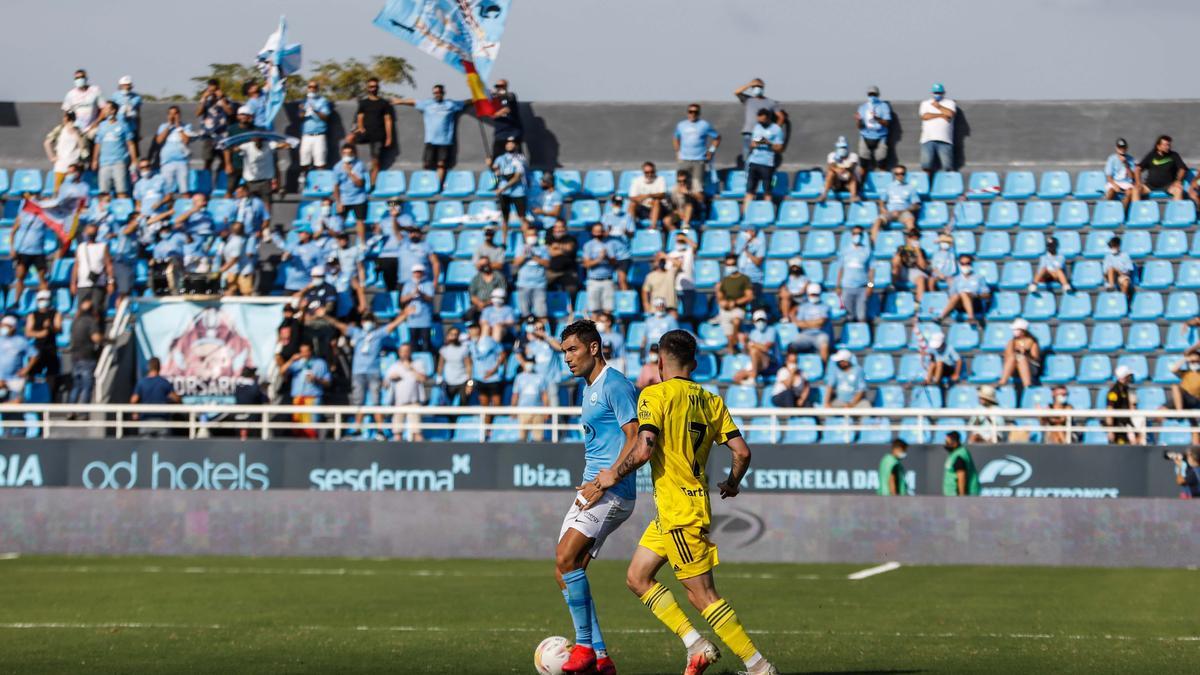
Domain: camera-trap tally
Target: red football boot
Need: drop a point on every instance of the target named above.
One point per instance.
(605, 666)
(583, 660)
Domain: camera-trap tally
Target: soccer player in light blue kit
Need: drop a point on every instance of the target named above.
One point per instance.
(610, 428)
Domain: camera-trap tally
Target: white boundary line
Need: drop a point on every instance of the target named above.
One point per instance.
(9, 556)
(872, 571)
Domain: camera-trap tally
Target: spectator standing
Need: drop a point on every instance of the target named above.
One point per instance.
(734, 294)
(374, 126)
(659, 284)
(454, 367)
(967, 292)
(153, 389)
(898, 202)
(985, 426)
(696, 143)
(28, 242)
(762, 345)
(259, 171)
(874, 120)
(959, 479)
(1056, 434)
(681, 259)
(408, 388)
(547, 206)
(1119, 174)
(562, 274)
(173, 156)
(766, 142)
(93, 273)
(647, 196)
(488, 358)
(753, 99)
(151, 196)
(300, 258)
(441, 117)
(129, 107)
(485, 282)
(812, 318)
(1161, 169)
(507, 120)
(856, 277)
(937, 131)
(538, 347)
(846, 387)
(18, 358)
(945, 364)
(84, 100)
(1022, 356)
(415, 250)
(893, 479)
(367, 340)
(531, 261)
(310, 377)
(1118, 268)
(327, 219)
(416, 303)
(600, 265)
(350, 189)
(123, 250)
(791, 388)
(113, 150)
(65, 146)
(87, 339)
(314, 124)
(238, 256)
(1051, 268)
(657, 324)
(529, 391)
(243, 122)
(1187, 471)
(910, 267)
(843, 172)
(388, 240)
(214, 111)
(1122, 430)
(257, 105)
(42, 327)
(511, 169)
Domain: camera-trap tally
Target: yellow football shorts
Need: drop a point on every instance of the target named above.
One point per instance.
(689, 550)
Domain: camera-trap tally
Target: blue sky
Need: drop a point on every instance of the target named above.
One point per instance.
(651, 50)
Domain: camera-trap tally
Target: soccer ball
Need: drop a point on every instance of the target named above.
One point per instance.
(551, 654)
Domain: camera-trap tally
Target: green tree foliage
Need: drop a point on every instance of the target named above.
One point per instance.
(340, 80)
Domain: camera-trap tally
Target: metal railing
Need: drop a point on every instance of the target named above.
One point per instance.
(466, 423)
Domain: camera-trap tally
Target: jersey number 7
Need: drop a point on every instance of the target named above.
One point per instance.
(696, 430)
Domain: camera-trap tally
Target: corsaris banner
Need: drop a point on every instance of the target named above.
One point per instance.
(203, 346)
(455, 31)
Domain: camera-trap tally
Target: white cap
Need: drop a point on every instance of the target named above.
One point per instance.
(760, 314)
(988, 393)
(796, 261)
(125, 79)
(842, 355)
(813, 289)
(318, 271)
(9, 321)
(43, 295)
(1123, 371)
(1020, 324)
(245, 110)
(937, 340)
(419, 267)
(499, 293)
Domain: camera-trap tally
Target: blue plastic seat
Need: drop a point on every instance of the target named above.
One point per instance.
(1142, 214)
(759, 214)
(1151, 398)
(1157, 275)
(468, 241)
(1181, 213)
(968, 215)
(583, 212)
(734, 185)
(569, 183)
(25, 180)
(926, 396)
(947, 185)
(886, 244)
(911, 369)
(1110, 306)
(983, 185)
(1037, 216)
(1029, 245)
(875, 183)
(3, 182)
(1017, 275)
(731, 364)
(485, 185)
(1179, 337)
(862, 213)
(900, 306)
(828, 215)
(996, 336)
(715, 244)
(1006, 306)
(792, 214)
(724, 213)
(1146, 306)
(1036, 397)
(1169, 244)
(1072, 215)
(1086, 275)
(599, 184)
(994, 246)
(1054, 185)
(1094, 369)
(445, 211)
(783, 245)
(1090, 185)
(459, 184)
(645, 243)
(932, 304)
(1163, 373)
(626, 304)
(1143, 338)
(454, 305)
(963, 337)
(801, 430)
(985, 369)
(962, 396)
(933, 215)
(423, 185)
(708, 274)
(1189, 275)
(1075, 306)
(1181, 306)
(856, 336)
(1106, 338)
(1002, 215)
(1108, 215)
(1137, 244)
(890, 337)
(1137, 364)
(480, 207)
(441, 242)
(807, 184)
(878, 368)
(1018, 185)
(1097, 245)
(1060, 369)
(741, 396)
(819, 245)
(1039, 307)
(318, 184)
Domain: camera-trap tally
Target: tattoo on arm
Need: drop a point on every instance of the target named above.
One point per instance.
(738, 470)
(640, 455)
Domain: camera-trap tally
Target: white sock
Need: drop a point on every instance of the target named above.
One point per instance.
(755, 659)
(691, 638)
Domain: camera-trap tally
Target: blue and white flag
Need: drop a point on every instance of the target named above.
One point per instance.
(254, 135)
(276, 60)
(451, 30)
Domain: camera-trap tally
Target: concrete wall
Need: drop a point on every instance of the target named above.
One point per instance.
(620, 135)
(777, 528)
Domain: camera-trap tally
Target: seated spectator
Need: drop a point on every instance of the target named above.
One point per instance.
(454, 368)
(498, 319)
(485, 282)
(491, 249)
(18, 358)
(1022, 356)
(1122, 430)
(660, 285)
(792, 290)
(696, 143)
(937, 131)
(511, 169)
(734, 293)
(562, 274)
(544, 351)
(1057, 432)
(166, 261)
(532, 260)
(943, 265)
(1119, 175)
(766, 142)
(791, 389)
(874, 119)
(945, 364)
(750, 245)
(968, 291)
(648, 196)
(547, 206)
(344, 270)
(153, 389)
(910, 267)
(488, 358)
(812, 318)
(657, 324)
(842, 171)
(1051, 268)
(685, 205)
(762, 345)
(529, 391)
(985, 427)
(408, 388)
(600, 263)
(846, 387)
(612, 343)
(856, 277)
(416, 306)
(618, 228)
(899, 202)
(650, 373)
(1186, 394)
(1161, 169)
(1118, 268)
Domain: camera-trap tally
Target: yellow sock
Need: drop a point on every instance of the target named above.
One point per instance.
(725, 624)
(660, 601)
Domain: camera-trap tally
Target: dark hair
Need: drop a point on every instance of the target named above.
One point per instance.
(955, 435)
(372, 79)
(175, 108)
(212, 82)
(153, 364)
(69, 114)
(584, 330)
(900, 443)
(901, 167)
(649, 164)
(1162, 138)
(1115, 241)
(439, 86)
(764, 112)
(679, 345)
(683, 173)
(249, 371)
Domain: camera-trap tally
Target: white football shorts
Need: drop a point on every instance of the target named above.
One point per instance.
(599, 521)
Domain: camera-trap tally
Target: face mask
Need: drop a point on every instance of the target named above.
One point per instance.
(81, 82)
(842, 153)
(43, 304)
(902, 455)
(146, 172)
(368, 326)
(347, 158)
(527, 367)
(326, 209)
(873, 99)
(681, 246)
(496, 302)
(5, 331)
(531, 241)
(937, 97)
(462, 339)
(945, 246)
(966, 269)
(660, 312)
(814, 299)
(858, 239)
(1115, 251)
(653, 358)
(761, 324)
(755, 91)
(1060, 399)
(602, 327)
(730, 269)
(311, 95)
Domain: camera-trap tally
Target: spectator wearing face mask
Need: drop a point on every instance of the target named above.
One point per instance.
(893, 479)
(1057, 432)
(1121, 396)
(531, 262)
(490, 249)
(734, 293)
(659, 284)
(87, 339)
(485, 282)
(899, 202)
(943, 264)
(791, 388)
(498, 319)
(967, 292)
(300, 258)
(350, 189)
(751, 248)
(910, 267)
(42, 327)
(681, 259)
(310, 378)
(250, 210)
(762, 345)
(407, 381)
(65, 146)
(327, 219)
(314, 123)
(650, 373)
(488, 358)
(766, 146)
(529, 391)
(84, 100)
(173, 156)
(367, 340)
(260, 172)
(1118, 268)
(843, 172)
(17, 359)
(611, 341)
(416, 251)
(1051, 268)
(856, 277)
(547, 205)
(812, 318)
(985, 426)
(684, 204)
(416, 308)
(512, 190)
(657, 324)
(1118, 174)
(648, 196)
(937, 131)
(454, 367)
(151, 194)
(791, 291)
(696, 143)
(214, 111)
(541, 349)
(129, 107)
(93, 274)
(846, 387)
(753, 99)
(945, 364)
(166, 261)
(112, 153)
(319, 292)
(386, 243)
(440, 115)
(600, 264)
(874, 120)
(239, 253)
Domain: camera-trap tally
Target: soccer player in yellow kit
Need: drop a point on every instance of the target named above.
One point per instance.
(678, 422)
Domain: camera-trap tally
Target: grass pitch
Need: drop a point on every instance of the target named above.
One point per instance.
(234, 615)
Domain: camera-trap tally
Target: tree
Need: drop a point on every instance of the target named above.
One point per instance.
(340, 81)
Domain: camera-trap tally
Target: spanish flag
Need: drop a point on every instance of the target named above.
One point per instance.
(484, 105)
(61, 216)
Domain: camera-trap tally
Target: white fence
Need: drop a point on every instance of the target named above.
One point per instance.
(466, 423)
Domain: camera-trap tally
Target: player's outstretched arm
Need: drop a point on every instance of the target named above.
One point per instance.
(741, 463)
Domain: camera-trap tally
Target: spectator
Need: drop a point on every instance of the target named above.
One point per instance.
(196, 220)
(1022, 356)
(488, 358)
(960, 478)
(856, 277)
(408, 389)
(327, 219)
(511, 169)
(374, 127)
(657, 324)
(1056, 434)
(943, 264)
(250, 210)
(441, 117)
(173, 154)
(65, 146)
(542, 350)
(529, 391)
(945, 365)
(153, 389)
(1118, 268)
(259, 171)
(650, 373)
(612, 343)
(485, 282)
(846, 387)
(18, 358)
(319, 293)
(166, 261)
(696, 143)
(683, 204)
(660, 285)
(214, 111)
(548, 205)
(1122, 430)
(489, 249)
(682, 261)
(350, 189)
(910, 267)
(1185, 395)
(415, 250)
(349, 260)
(751, 249)
(562, 273)
(791, 292)
(600, 264)
(1187, 471)
(898, 202)
(367, 341)
(310, 378)
(300, 258)
(313, 126)
(248, 391)
(388, 240)
(1051, 268)
(1161, 169)
(416, 308)
(874, 120)
(87, 339)
(257, 104)
(937, 131)
(618, 228)
(812, 318)
(498, 319)
(454, 367)
(766, 142)
(893, 479)
(243, 122)
(42, 327)
(28, 242)
(967, 292)
(791, 388)
(238, 256)
(734, 293)
(84, 100)
(531, 261)
(93, 273)
(507, 120)
(647, 196)
(842, 171)
(113, 150)
(151, 195)
(1119, 175)
(762, 345)
(985, 426)
(753, 102)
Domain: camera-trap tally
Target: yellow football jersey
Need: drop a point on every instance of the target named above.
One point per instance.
(688, 420)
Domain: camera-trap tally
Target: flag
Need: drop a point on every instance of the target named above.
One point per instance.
(60, 215)
(456, 32)
(484, 105)
(922, 344)
(247, 136)
(276, 60)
